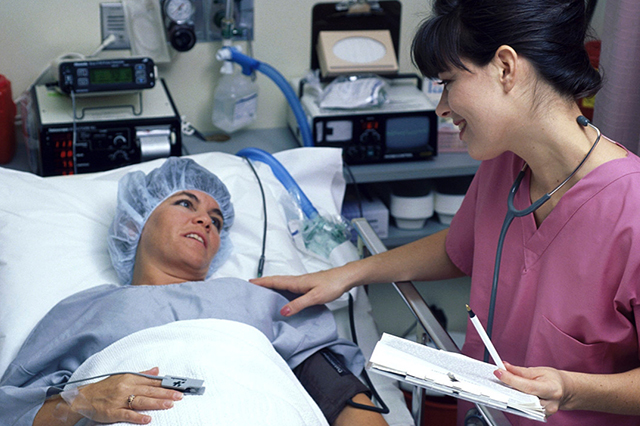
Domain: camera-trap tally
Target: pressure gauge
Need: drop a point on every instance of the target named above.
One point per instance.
(180, 27)
(179, 11)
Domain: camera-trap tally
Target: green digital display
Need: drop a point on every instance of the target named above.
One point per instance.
(111, 75)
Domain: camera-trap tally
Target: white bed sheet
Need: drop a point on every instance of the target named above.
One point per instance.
(246, 381)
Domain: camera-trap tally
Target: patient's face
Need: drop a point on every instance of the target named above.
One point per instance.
(182, 235)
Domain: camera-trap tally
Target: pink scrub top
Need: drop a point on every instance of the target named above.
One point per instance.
(568, 292)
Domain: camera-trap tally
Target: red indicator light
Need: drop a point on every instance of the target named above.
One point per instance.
(370, 125)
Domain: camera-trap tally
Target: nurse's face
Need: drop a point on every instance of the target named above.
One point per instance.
(472, 99)
(182, 235)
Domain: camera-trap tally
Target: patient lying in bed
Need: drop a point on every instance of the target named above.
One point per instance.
(168, 236)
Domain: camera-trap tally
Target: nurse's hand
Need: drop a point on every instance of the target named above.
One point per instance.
(316, 288)
(112, 400)
(548, 384)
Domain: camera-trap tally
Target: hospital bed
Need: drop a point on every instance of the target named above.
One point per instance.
(53, 244)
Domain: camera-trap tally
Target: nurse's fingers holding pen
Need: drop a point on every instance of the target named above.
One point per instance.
(546, 383)
(315, 289)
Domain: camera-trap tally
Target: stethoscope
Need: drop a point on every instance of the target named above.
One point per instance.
(512, 213)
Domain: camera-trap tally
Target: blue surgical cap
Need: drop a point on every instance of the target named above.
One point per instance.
(140, 194)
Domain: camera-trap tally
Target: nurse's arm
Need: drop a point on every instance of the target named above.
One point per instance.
(425, 259)
(422, 260)
(567, 390)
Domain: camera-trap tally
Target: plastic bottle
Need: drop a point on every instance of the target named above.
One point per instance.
(235, 100)
(7, 116)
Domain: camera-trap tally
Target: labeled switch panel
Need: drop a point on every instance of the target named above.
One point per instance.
(112, 22)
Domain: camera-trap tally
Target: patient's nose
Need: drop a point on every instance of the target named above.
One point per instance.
(203, 219)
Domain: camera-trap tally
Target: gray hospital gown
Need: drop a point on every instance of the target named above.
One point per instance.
(89, 321)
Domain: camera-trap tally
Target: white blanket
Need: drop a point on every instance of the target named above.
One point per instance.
(247, 382)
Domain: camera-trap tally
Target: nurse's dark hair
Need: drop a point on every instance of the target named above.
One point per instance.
(549, 33)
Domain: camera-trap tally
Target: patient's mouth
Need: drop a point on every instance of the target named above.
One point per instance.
(195, 237)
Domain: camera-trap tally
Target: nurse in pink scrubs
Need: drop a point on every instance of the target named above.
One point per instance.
(567, 303)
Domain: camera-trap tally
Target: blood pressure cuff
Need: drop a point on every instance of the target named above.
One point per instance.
(329, 382)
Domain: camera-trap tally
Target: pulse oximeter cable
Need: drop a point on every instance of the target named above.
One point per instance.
(182, 384)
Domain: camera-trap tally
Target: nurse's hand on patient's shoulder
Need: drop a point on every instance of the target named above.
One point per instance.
(316, 288)
(550, 385)
(120, 398)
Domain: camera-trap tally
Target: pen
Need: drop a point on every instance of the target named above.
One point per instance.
(485, 339)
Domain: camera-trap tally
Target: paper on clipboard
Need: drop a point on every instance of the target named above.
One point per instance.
(452, 374)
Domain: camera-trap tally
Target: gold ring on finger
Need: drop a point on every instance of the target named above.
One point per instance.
(130, 401)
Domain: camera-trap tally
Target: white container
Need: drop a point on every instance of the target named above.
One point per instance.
(235, 100)
(446, 206)
(373, 210)
(411, 212)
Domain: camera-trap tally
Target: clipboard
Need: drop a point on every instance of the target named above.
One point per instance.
(451, 374)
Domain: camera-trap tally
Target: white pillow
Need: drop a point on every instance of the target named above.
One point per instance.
(53, 230)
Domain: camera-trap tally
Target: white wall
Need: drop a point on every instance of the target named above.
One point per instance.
(36, 31)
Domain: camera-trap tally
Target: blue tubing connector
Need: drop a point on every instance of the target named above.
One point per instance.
(250, 64)
(283, 176)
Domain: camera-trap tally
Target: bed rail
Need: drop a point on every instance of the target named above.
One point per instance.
(426, 319)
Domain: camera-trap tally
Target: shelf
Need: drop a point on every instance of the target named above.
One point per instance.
(444, 165)
(398, 237)
(279, 139)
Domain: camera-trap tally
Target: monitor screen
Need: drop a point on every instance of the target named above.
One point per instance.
(408, 133)
(111, 75)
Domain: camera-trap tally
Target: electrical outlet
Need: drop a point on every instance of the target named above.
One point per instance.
(112, 22)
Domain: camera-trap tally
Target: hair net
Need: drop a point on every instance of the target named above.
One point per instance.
(140, 194)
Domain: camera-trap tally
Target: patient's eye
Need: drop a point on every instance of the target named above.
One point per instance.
(217, 222)
(184, 203)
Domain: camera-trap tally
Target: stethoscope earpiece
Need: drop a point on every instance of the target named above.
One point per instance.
(583, 121)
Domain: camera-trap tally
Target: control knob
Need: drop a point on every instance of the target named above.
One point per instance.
(119, 141)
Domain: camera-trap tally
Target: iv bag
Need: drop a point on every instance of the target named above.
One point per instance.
(235, 102)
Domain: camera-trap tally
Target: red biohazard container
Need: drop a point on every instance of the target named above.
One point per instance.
(7, 116)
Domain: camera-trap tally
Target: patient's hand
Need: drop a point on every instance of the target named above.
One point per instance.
(106, 401)
(316, 288)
